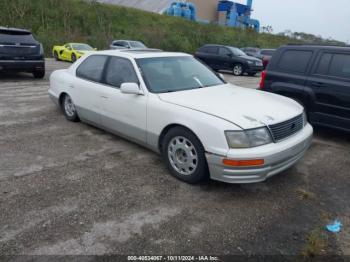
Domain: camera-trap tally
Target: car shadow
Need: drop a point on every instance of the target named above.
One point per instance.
(332, 135)
(15, 76)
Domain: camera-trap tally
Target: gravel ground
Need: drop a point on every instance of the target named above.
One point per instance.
(69, 188)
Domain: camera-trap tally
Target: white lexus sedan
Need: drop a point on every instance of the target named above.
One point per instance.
(176, 106)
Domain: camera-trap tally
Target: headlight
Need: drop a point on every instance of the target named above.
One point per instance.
(304, 118)
(248, 138)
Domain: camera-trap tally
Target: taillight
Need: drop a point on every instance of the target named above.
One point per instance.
(262, 81)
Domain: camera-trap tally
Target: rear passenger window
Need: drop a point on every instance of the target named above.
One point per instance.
(209, 49)
(323, 65)
(120, 70)
(92, 67)
(340, 66)
(295, 61)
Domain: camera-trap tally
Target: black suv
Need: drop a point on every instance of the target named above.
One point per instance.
(318, 77)
(220, 57)
(19, 51)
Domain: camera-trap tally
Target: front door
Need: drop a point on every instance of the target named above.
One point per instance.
(124, 114)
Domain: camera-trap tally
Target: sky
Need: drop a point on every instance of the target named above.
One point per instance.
(318, 17)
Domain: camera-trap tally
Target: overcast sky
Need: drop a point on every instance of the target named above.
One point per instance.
(318, 17)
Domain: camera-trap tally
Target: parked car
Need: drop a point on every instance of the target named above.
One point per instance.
(127, 44)
(220, 57)
(252, 51)
(263, 54)
(21, 52)
(318, 77)
(71, 52)
(176, 106)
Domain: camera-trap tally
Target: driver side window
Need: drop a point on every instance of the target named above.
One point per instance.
(120, 70)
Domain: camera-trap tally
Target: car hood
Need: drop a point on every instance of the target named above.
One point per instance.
(251, 58)
(246, 108)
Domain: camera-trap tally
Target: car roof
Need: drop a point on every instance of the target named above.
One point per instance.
(14, 30)
(140, 53)
(219, 45)
(315, 46)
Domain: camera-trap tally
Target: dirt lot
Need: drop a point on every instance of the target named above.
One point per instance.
(69, 188)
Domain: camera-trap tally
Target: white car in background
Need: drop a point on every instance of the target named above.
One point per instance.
(176, 106)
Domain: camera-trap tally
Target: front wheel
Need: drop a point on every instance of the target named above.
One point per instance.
(55, 55)
(69, 109)
(237, 70)
(184, 156)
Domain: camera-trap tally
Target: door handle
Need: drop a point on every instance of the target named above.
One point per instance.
(105, 97)
(317, 84)
(71, 86)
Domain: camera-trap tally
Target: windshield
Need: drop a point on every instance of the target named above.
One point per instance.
(236, 51)
(171, 74)
(136, 44)
(82, 47)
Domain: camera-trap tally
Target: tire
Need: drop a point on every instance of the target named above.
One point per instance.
(251, 74)
(39, 74)
(69, 109)
(55, 55)
(184, 156)
(238, 69)
(74, 58)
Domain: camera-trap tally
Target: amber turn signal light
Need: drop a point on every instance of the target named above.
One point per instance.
(243, 163)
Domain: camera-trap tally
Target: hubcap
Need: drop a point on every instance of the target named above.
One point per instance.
(69, 106)
(182, 155)
(237, 70)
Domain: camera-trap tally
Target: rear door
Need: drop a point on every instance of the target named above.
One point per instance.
(287, 73)
(330, 82)
(86, 89)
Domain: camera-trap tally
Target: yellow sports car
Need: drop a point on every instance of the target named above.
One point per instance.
(71, 51)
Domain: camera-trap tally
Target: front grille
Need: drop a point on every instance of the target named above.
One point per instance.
(285, 129)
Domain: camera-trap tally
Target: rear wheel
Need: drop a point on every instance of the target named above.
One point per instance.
(237, 70)
(69, 109)
(184, 155)
(74, 58)
(55, 55)
(39, 73)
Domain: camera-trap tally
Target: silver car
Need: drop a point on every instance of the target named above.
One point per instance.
(127, 44)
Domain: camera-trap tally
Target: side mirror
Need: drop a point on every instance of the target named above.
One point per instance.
(230, 55)
(131, 88)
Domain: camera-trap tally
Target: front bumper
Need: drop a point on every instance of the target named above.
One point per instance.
(254, 68)
(22, 65)
(277, 156)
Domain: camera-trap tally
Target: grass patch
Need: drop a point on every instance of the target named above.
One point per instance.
(60, 21)
(316, 244)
